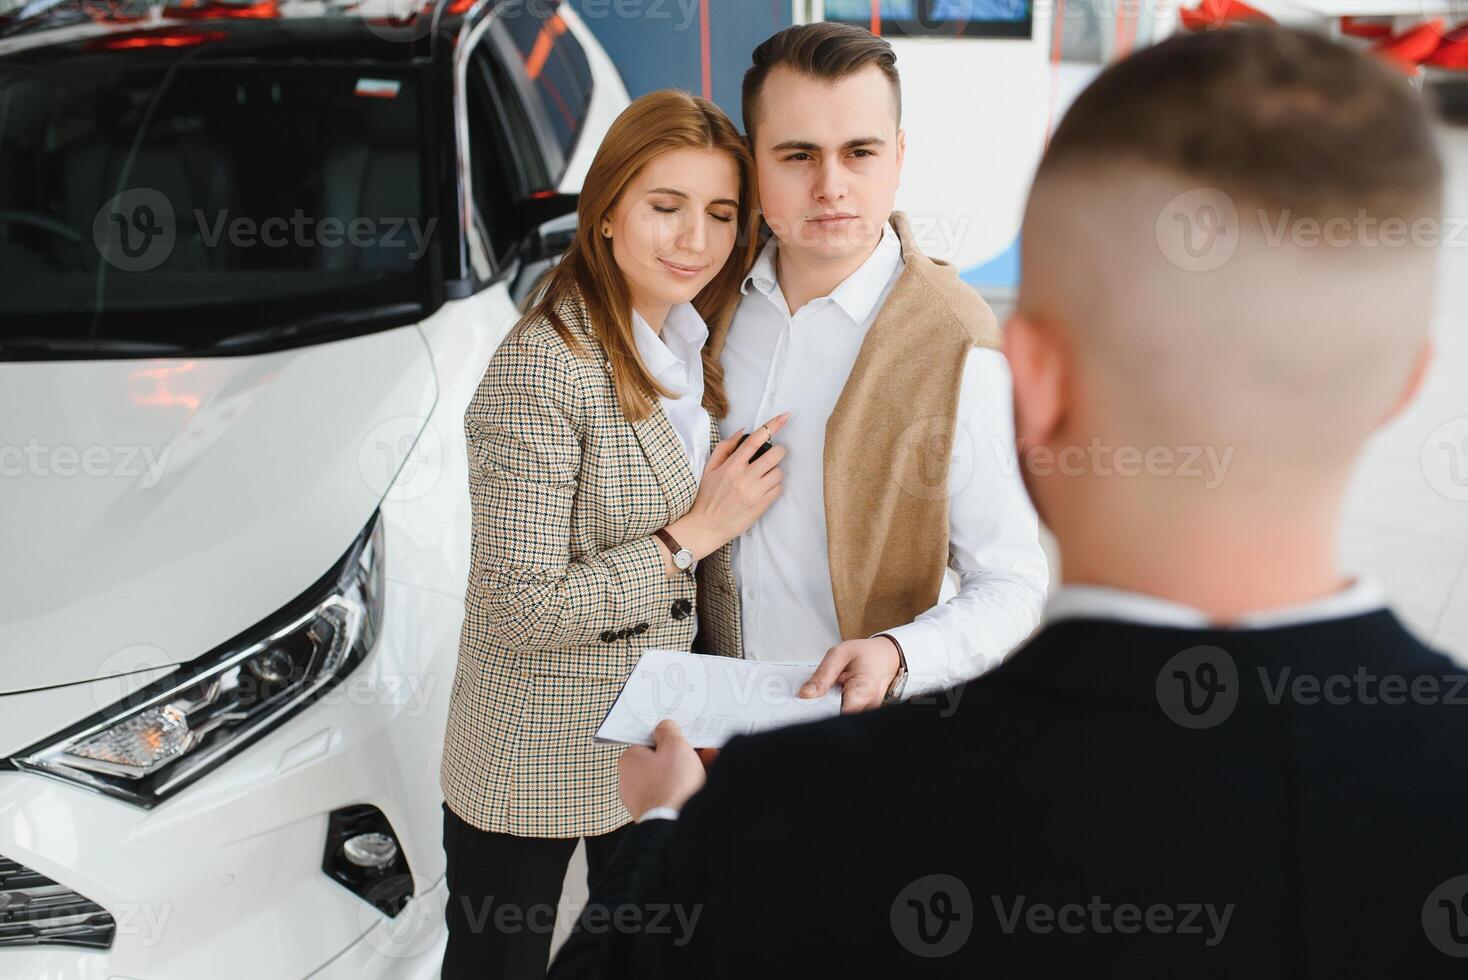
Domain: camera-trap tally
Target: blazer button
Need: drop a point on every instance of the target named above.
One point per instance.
(681, 609)
(641, 628)
(609, 637)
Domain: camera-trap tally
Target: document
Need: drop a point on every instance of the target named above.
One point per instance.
(711, 698)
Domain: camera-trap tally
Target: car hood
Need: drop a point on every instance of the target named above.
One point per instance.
(152, 509)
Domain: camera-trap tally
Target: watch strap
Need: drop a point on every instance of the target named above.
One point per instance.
(898, 684)
(667, 539)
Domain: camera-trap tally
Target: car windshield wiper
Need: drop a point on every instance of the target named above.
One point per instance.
(112, 346)
(316, 324)
(23, 345)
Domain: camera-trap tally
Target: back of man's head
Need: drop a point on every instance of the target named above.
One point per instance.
(1230, 235)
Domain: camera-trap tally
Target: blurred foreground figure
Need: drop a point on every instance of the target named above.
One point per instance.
(1220, 757)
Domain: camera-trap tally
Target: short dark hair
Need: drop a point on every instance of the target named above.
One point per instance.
(1280, 117)
(824, 50)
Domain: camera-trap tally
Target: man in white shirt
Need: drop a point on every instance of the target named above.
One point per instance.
(822, 109)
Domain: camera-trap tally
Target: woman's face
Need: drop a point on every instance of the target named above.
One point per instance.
(674, 226)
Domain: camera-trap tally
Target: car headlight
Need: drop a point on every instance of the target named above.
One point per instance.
(168, 734)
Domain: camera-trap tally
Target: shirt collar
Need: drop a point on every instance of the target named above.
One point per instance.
(857, 293)
(1363, 595)
(685, 323)
(688, 332)
(762, 273)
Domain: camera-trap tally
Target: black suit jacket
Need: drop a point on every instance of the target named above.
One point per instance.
(1114, 799)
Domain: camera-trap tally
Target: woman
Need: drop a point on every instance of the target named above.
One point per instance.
(593, 468)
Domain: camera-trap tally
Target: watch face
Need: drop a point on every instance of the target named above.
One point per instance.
(683, 559)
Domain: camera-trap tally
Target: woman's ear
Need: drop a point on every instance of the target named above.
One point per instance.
(1037, 363)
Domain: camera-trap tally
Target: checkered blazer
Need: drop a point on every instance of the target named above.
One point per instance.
(566, 584)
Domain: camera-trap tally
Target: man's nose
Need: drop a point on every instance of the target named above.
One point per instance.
(831, 182)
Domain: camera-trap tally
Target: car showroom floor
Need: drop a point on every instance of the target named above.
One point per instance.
(1406, 518)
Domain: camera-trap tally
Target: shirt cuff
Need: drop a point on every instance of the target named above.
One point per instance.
(659, 813)
(926, 651)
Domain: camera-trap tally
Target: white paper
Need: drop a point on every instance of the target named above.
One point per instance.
(711, 698)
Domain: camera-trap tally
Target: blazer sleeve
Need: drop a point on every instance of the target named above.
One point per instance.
(523, 430)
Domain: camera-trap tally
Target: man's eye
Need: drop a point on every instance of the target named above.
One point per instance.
(862, 153)
(798, 156)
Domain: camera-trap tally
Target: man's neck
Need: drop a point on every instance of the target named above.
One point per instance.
(803, 276)
(1221, 566)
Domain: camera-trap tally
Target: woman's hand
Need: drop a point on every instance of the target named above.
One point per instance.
(734, 492)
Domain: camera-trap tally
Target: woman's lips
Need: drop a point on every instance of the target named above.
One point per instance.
(682, 271)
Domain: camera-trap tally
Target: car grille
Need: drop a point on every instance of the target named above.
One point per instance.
(35, 910)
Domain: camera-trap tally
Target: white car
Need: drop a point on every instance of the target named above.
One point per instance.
(253, 261)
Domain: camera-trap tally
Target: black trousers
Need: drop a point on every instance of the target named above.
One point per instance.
(503, 893)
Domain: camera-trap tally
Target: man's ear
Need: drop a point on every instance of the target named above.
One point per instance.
(1415, 380)
(901, 149)
(1038, 365)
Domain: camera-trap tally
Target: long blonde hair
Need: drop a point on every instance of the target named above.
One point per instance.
(652, 125)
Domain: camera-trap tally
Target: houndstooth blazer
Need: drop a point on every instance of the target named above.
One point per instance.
(566, 586)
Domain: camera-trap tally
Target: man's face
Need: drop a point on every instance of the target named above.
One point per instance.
(829, 155)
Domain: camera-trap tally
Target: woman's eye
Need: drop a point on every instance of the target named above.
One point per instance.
(664, 210)
(725, 218)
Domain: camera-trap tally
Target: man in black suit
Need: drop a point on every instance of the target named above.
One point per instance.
(1220, 757)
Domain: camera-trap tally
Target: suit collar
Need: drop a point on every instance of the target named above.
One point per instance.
(1362, 596)
(1146, 666)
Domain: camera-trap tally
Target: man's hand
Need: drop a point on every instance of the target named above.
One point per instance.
(665, 775)
(865, 670)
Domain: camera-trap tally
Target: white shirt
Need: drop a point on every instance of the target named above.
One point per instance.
(774, 362)
(1363, 595)
(676, 360)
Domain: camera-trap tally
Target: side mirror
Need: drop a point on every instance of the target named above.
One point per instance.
(538, 253)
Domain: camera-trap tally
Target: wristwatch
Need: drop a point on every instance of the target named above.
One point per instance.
(899, 683)
(682, 557)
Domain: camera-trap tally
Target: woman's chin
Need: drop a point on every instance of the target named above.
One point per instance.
(681, 292)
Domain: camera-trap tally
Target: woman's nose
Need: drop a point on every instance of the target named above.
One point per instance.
(694, 234)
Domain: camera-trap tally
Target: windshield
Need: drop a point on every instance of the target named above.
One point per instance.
(202, 206)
